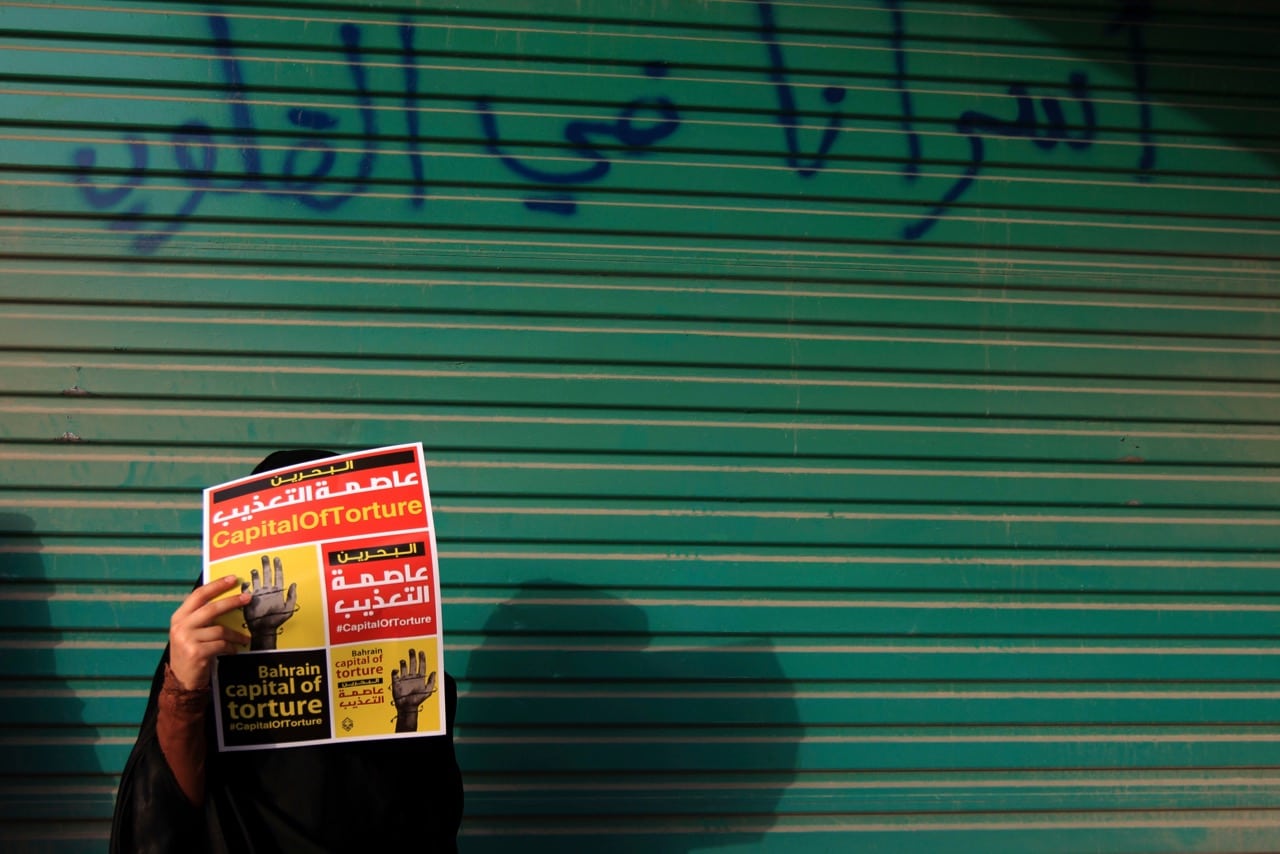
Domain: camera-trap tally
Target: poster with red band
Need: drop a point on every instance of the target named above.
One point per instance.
(338, 560)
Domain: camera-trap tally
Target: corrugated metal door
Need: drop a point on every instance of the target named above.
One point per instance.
(850, 424)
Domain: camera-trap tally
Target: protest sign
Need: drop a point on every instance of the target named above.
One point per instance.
(339, 555)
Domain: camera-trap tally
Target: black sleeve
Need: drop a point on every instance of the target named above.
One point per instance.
(152, 815)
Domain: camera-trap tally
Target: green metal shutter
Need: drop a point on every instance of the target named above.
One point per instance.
(851, 425)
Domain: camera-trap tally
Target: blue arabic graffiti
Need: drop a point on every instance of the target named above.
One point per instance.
(409, 63)
(976, 126)
(1055, 129)
(788, 115)
(897, 39)
(1131, 17)
(306, 171)
(195, 153)
(628, 130)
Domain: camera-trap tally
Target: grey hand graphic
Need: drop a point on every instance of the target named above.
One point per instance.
(410, 688)
(270, 607)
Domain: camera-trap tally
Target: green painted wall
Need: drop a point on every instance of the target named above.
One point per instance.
(852, 425)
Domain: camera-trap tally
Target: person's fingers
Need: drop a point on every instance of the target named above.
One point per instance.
(431, 683)
(422, 663)
(256, 585)
(221, 647)
(279, 576)
(413, 663)
(266, 571)
(210, 611)
(291, 601)
(395, 676)
(218, 632)
(203, 654)
(195, 639)
(204, 594)
(404, 669)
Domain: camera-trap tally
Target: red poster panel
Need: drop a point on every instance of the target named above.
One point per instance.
(380, 588)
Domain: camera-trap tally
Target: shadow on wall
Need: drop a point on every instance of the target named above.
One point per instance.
(52, 785)
(584, 731)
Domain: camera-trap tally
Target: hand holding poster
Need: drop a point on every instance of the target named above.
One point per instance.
(339, 558)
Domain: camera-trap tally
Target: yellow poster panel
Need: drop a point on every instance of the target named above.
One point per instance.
(386, 687)
(287, 611)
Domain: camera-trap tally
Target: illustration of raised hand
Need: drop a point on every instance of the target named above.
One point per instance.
(270, 606)
(410, 688)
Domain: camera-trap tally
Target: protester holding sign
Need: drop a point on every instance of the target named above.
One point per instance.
(180, 792)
